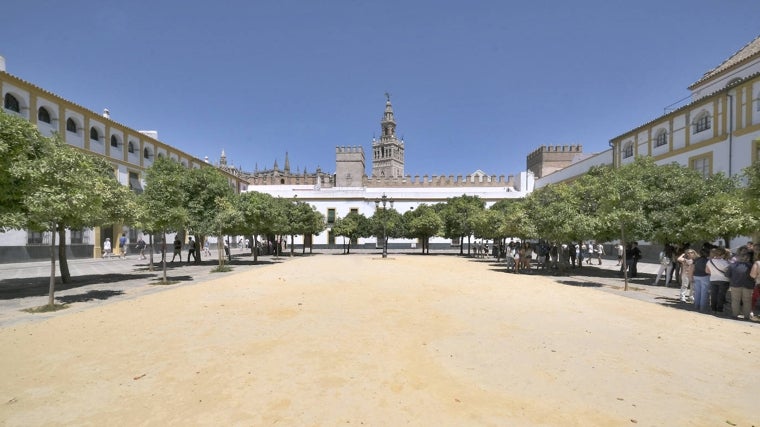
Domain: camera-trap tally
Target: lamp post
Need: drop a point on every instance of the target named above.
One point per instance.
(384, 200)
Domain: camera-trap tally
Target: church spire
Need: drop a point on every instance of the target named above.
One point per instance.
(388, 125)
(223, 159)
(287, 163)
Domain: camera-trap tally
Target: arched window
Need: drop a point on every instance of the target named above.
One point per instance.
(160, 155)
(11, 103)
(131, 147)
(43, 115)
(114, 141)
(661, 139)
(71, 125)
(628, 150)
(94, 135)
(702, 122)
(146, 153)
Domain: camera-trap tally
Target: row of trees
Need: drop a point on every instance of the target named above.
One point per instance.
(639, 201)
(48, 185)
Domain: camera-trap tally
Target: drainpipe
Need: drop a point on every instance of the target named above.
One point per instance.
(730, 131)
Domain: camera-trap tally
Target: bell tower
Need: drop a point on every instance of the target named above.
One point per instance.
(388, 151)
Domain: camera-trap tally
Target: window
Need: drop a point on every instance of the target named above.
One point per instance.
(146, 153)
(628, 150)
(702, 164)
(43, 115)
(11, 103)
(34, 237)
(354, 210)
(661, 139)
(702, 123)
(331, 215)
(94, 135)
(757, 102)
(77, 236)
(134, 182)
(114, 141)
(131, 147)
(71, 125)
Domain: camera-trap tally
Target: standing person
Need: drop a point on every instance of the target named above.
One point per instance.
(741, 284)
(227, 249)
(666, 265)
(702, 281)
(107, 248)
(619, 249)
(755, 274)
(190, 250)
(207, 248)
(687, 268)
(717, 267)
(635, 257)
(123, 246)
(599, 252)
(177, 248)
(140, 246)
(573, 249)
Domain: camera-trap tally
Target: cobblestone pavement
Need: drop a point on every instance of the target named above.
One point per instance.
(100, 281)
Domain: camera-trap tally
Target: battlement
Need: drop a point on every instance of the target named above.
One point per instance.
(440, 181)
(349, 149)
(570, 149)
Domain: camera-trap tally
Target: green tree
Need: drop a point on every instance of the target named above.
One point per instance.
(162, 203)
(71, 190)
(386, 223)
(204, 188)
(352, 227)
(423, 223)
(459, 215)
(259, 216)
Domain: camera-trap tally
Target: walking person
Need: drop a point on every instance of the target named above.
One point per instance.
(755, 274)
(107, 248)
(599, 252)
(190, 250)
(177, 249)
(207, 249)
(140, 246)
(717, 267)
(123, 246)
(666, 266)
(635, 257)
(619, 249)
(741, 284)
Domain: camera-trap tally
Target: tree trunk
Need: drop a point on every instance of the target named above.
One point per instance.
(63, 263)
(255, 249)
(292, 238)
(461, 245)
(164, 258)
(150, 245)
(51, 294)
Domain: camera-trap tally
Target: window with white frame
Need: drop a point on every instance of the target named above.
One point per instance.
(628, 150)
(702, 165)
(71, 125)
(702, 123)
(661, 138)
(43, 115)
(11, 103)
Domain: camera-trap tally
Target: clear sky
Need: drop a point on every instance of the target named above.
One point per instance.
(474, 84)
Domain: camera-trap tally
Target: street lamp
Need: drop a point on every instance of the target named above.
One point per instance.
(384, 200)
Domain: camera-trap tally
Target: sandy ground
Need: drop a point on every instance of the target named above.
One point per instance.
(358, 340)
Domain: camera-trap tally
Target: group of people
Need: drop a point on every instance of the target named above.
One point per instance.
(708, 274)
(123, 247)
(521, 255)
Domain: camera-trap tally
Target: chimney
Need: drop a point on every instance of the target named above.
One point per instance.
(106, 113)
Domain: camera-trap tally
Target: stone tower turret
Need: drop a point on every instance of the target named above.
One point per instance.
(349, 166)
(388, 152)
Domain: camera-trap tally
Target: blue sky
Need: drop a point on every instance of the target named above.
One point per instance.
(474, 85)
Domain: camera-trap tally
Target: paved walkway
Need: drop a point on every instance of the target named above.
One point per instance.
(100, 281)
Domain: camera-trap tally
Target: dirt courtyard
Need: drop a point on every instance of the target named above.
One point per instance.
(358, 340)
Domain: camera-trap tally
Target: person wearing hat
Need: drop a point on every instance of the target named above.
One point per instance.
(107, 248)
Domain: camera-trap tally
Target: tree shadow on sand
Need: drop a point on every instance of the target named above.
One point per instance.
(39, 286)
(89, 296)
